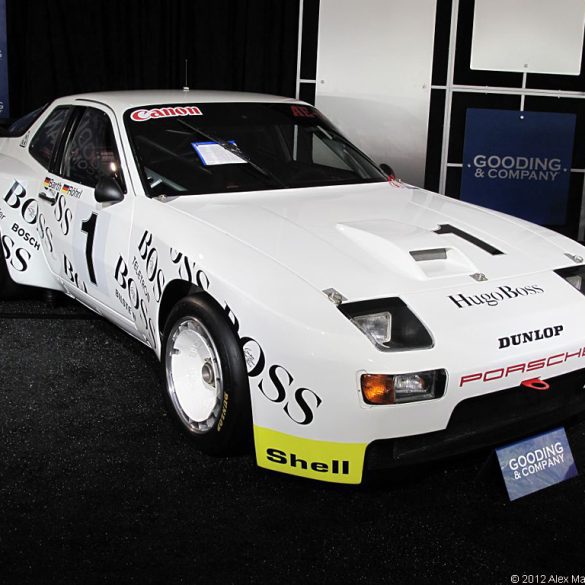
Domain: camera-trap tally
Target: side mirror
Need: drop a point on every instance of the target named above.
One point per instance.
(108, 190)
(388, 170)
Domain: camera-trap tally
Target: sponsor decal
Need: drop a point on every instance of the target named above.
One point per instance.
(536, 463)
(45, 233)
(52, 185)
(72, 275)
(17, 258)
(302, 112)
(529, 336)
(323, 460)
(125, 304)
(522, 367)
(224, 408)
(71, 191)
(128, 284)
(154, 275)
(171, 112)
(492, 299)
(63, 214)
(26, 236)
(273, 381)
(17, 199)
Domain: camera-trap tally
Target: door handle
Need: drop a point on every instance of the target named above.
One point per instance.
(52, 199)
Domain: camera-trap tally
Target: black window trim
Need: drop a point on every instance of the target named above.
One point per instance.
(71, 127)
(59, 139)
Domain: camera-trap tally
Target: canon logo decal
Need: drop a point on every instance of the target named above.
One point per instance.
(171, 112)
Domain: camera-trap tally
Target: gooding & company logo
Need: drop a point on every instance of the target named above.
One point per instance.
(518, 168)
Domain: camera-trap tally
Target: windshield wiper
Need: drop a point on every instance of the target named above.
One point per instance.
(235, 150)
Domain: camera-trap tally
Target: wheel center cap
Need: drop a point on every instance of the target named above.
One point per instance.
(207, 373)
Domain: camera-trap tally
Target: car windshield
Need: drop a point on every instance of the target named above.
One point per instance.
(228, 147)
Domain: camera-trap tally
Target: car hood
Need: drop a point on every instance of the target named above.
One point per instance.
(377, 240)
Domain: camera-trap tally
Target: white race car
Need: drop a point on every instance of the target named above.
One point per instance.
(292, 291)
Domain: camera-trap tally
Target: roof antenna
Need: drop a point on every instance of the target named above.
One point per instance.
(186, 86)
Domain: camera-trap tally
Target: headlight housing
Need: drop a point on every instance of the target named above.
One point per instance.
(575, 276)
(389, 324)
(401, 388)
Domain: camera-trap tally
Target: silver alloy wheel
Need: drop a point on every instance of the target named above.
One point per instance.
(193, 371)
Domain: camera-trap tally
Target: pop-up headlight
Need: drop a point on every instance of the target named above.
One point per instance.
(388, 323)
(575, 276)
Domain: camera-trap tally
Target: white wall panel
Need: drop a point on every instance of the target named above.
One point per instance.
(533, 36)
(373, 77)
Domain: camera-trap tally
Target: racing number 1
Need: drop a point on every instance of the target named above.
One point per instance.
(88, 227)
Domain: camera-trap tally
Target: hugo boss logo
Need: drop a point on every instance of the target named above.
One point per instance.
(154, 273)
(128, 284)
(276, 383)
(492, 299)
(530, 336)
(27, 206)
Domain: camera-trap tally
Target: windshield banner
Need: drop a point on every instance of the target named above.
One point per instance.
(519, 163)
(4, 110)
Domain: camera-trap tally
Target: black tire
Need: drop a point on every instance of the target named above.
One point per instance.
(8, 288)
(196, 325)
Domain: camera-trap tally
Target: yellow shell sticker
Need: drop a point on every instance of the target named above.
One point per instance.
(322, 460)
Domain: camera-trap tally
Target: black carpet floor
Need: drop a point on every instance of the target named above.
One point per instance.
(97, 486)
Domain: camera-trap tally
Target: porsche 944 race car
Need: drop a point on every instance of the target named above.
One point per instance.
(292, 292)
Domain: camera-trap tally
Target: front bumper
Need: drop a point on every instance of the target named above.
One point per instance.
(484, 421)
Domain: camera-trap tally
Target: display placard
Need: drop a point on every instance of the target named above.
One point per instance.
(519, 162)
(536, 463)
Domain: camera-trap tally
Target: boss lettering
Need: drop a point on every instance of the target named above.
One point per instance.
(492, 299)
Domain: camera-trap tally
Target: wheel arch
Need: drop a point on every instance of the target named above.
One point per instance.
(173, 292)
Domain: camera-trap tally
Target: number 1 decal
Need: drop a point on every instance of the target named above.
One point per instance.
(88, 227)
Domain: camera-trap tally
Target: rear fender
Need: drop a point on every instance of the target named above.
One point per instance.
(21, 231)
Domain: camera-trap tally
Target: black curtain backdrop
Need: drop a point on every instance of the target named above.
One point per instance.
(60, 47)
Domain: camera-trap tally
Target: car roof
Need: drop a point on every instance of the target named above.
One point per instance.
(120, 101)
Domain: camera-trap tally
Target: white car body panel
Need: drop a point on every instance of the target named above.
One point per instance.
(265, 258)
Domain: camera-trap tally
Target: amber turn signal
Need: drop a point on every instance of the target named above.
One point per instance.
(378, 388)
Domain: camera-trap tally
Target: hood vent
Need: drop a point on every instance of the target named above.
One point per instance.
(426, 255)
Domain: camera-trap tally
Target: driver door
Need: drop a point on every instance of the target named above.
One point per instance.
(100, 231)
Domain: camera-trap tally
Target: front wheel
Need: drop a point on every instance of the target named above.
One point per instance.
(206, 389)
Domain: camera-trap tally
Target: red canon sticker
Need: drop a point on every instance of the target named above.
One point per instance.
(536, 384)
(171, 112)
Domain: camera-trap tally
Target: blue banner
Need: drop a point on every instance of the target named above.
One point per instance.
(519, 163)
(536, 463)
(4, 108)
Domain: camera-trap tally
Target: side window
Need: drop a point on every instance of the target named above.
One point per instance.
(47, 137)
(91, 151)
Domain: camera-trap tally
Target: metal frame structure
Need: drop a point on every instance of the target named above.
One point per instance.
(450, 88)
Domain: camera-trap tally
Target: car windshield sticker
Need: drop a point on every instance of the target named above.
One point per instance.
(171, 112)
(212, 153)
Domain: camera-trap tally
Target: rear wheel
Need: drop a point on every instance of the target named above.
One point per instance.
(206, 389)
